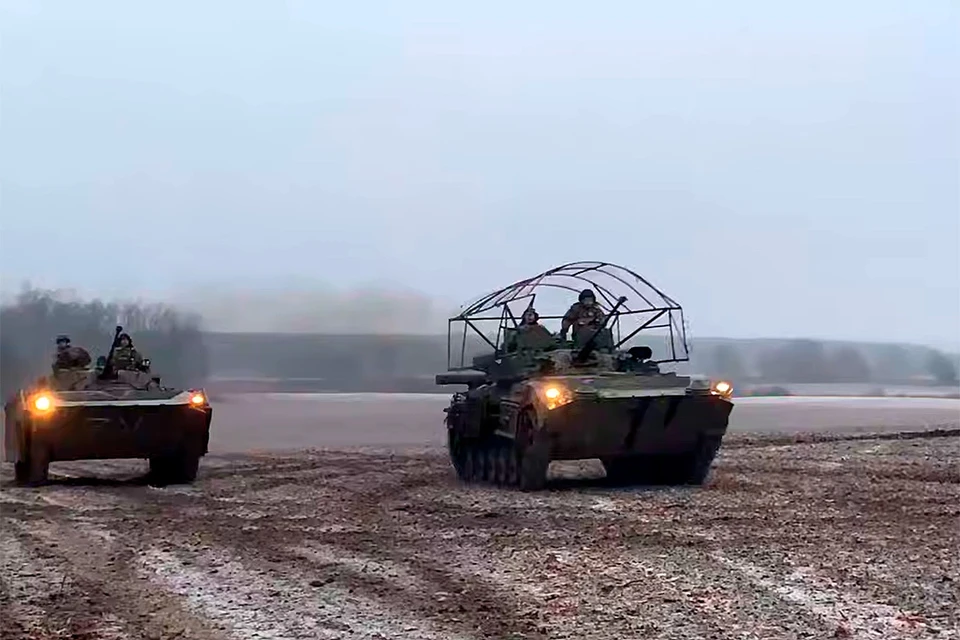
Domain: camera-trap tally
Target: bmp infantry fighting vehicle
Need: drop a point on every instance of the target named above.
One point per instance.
(102, 413)
(534, 396)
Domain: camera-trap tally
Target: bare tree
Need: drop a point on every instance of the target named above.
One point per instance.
(727, 362)
(847, 364)
(941, 368)
(801, 361)
(29, 325)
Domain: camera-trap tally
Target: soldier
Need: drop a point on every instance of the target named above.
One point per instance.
(583, 313)
(125, 356)
(530, 324)
(69, 357)
(531, 334)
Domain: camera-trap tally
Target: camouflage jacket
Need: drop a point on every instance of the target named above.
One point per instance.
(71, 358)
(534, 329)
(580, 315)
(126, 358)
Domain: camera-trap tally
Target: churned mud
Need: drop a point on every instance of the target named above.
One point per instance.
(793, 537)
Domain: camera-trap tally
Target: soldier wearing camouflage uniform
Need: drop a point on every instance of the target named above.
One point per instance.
(583, 313)
(530, 324)
(125, 356)
(69, 357)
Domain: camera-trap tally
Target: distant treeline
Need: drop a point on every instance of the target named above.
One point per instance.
(812, 361)
(184, 355)
(30, 324)
(350, 359)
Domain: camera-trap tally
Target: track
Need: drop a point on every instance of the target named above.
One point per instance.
(793, 537)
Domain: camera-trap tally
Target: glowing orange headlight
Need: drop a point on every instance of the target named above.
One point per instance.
(42, 403)
(555, 395)
(197, 399)
(722, 388)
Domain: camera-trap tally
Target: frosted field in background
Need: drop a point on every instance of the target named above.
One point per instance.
(279, 421)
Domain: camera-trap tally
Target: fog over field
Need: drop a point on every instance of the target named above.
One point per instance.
(779, 173)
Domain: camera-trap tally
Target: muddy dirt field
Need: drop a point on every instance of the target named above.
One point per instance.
(820, 536)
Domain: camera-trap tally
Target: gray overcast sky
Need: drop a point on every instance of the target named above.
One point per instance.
(780, 170)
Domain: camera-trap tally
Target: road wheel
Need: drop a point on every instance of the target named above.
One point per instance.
(503, 462)
(535, 455)
(456, 450)
(492, 463)
(35, 467)
(469, 462)
(479, 462)
(21, 471)
(179, 468)
(187, 466)
(512, 466)
(698, 466)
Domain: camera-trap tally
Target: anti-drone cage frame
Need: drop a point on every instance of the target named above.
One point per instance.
(609, 282)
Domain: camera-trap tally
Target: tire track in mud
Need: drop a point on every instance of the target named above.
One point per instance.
(467, 604)
(252, 600)
(41, 600)
(360, 546)
(99, 569)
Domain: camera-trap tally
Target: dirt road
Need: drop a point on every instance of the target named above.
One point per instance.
(856, 537)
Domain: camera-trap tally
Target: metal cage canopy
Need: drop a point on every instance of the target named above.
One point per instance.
(647, 307)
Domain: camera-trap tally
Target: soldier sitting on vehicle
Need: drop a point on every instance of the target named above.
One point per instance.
(583, 313)
(69, 357)
(531, 334)
(125, 356)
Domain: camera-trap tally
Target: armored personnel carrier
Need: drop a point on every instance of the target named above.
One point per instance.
(102, 413)
(532, 397)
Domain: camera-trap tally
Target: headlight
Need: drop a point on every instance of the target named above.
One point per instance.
(197, 399)
(555, 395)
(42, 403)
(722, 388)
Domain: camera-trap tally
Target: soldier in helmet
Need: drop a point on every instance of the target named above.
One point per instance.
(583, 313)
(531, 334)
(530, 324)
(68, 356)
(125, 356)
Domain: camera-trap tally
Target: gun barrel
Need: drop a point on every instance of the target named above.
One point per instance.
(589, 345)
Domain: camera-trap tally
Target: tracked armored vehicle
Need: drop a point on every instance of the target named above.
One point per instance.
(532, 397)
(104, 413)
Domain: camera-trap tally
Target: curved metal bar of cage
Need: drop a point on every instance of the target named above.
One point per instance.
(601, 266)
(677, 331)
(604, 292)
(501, 295)
(496, 298)
(573, 270)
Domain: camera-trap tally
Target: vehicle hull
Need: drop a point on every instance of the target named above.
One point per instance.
(634, 426)
(89, 432)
